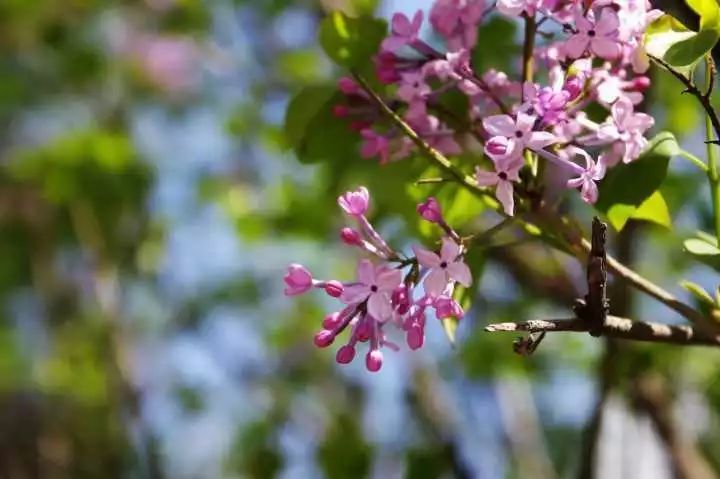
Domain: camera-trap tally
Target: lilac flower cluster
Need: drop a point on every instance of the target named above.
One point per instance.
(587, 52)
(386, 293)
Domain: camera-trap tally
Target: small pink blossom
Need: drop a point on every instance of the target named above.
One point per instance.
(626, 128)
(586, 181)
(403, 31)
(457, 20)
(297, 280)
(516, 7)
(600, 37)
(444, 268)
(355, 203)
(519, 131)
(375, 144)
(374, 360)
(375, 284)
(506, 171)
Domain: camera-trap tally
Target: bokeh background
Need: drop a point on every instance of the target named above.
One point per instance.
(148, 207)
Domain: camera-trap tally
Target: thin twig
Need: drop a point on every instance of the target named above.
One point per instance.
(616, 327)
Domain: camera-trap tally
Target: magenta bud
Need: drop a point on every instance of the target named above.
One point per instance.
(331, 321)
(400, 299)
(350, 236)
(415, 337)
(345, 354)
(641, 83)
(324, 338)
(496, 146)
(430, 210)
(362, 331)
(373, 360)
(446, 307)
(359, 125)
(340, 111)
(574, 86)
(348, 86)
(334, 288)
(355, 202)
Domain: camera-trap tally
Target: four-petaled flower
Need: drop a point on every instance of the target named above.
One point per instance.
(594, 171)
(519, 131)
(600, 37)
(507, 170)
(355, 203)
(403, 31)
(444, 268)
(626, 129)
(375, 284)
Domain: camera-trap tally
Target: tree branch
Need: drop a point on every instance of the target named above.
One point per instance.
(617, 327)
(574, 239)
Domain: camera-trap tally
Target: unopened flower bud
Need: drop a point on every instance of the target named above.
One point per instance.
(324, 338)
(345, 354)
(340, 111)
(574, 86)
(331, 321)
(350, 236)
(446, 307)
(297, 280)
(415, 337)
(348, 86)
(374, 360)
(430, 210)
(334, 288)
(356, 202)
(641, 83)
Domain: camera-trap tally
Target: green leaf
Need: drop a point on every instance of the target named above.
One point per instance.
(698, 291)
(705, 251)
(691, 50)
(303, 107)
(699, 247)
(450, 327)
(350, 42)
(498, 47)
(631, 189)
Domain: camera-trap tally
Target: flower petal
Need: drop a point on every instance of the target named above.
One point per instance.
(379, 306)
(540, 139)
(504, 194)
(366, 272)
(460, 272)
(355, 293)
(576, 45)
(502, 125)
(388, 279)
(449, 250)
(435, 282)
(426, 257)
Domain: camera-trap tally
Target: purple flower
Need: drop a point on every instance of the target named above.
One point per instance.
(297, 280)
(519, 131)
(444, 268)
(600, 37)
(626, 128)
(586, 181)
(375, 284)
(355, 203)
(404, 31)
(507, 170)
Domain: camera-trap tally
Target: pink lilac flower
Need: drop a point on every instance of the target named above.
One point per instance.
(520, 131)
(297, 280)
(375, 284)
(600, 38)
(403, 31)
(375, 144)
(457, 20)
(586, 181)
(507, 170)
(516, 7)
(355, 203)
(625, 129)
(444, 268)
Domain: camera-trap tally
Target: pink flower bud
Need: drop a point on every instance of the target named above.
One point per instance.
(298, 280)
(340, 111)
(373, 360)
(331, 321)
(496, 146)
(430, 210)
(446, 307)
(324, 338)
(345, 354)
(334, 288)
(400, 299)
(574, 86)
(641, 83)
(356, 202)
(359, 125)
(362, 331)
(350, 236)
(415, 337)
(348, 86)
